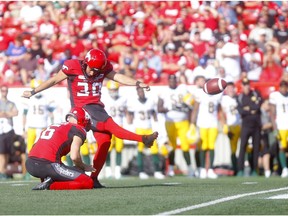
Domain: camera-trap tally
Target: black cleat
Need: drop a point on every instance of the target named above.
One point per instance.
(149, 139)
(45, 185)
(97, 184)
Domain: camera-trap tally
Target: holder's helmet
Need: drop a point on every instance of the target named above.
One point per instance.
(83, 118)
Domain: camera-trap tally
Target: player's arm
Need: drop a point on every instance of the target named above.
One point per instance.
(60, 76)
(125, 80)
(76, 156)
(160, 106)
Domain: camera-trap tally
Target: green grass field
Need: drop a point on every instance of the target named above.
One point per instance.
(131, 196)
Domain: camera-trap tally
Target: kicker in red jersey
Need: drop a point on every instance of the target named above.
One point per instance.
(86, 90)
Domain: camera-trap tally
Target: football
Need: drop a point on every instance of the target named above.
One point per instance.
(214, 86)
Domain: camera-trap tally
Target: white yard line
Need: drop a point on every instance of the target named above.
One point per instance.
(15, 182)
(225, 199)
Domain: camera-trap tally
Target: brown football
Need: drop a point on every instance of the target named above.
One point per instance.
(214, 86)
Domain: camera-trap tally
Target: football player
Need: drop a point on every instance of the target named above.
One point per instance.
(279, 108)
(142, 112)
(115, 105)
(85, 78)
(36, 116)
(44, 159)
(205, 117)
(232, 127)
(177, 115)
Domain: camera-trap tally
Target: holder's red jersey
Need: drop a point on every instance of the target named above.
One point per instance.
(56, 140)
(84, 90)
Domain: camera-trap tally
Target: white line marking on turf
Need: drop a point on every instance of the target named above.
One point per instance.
(18, 185)
(282, 196)
(249, 183)
(225, 199)
(15, 182)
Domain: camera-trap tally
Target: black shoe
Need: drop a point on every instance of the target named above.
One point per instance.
(149, 139)
(97, 184)
(45, 185)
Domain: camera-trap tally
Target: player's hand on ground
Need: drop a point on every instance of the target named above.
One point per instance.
(89, 168)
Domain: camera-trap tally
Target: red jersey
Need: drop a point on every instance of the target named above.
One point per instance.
(84, 90)
(56, 140)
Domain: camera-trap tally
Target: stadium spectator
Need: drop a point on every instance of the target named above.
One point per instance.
(27, 66)
(180, 35)
(36, 47)
(226, 11)
(95, 68)
(5, 39)
(279, 118)
(16, 49)
(251, 61)
(272, 70)
(231, 56)
(44, 159)
(75, 46)
(261, 25)
(204, 69)
(153, 60)
(249, 104)
(169, 60)
(11, 75)
(8, 110)
(47, 26)
(280, 31)
(142, 112)
(189, 56)
(222, 31)
(86, 21)
(146, 74)
(141, 37)
(198, 44)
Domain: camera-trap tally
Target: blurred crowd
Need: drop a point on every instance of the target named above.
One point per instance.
(147, 40)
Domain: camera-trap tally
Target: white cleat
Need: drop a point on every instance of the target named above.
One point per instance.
(143, 175)
(118, 174)
(203, 173)
(284, 173)
(267, 173)
(159, 175)
(108, 172)
(211, 174)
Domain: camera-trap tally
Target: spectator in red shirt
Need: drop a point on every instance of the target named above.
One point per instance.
(4, 39)
(272, 70)
(86, 21)
(141, 38)
(146, 74)
(170, 60)
(75, 46)
(198, 44)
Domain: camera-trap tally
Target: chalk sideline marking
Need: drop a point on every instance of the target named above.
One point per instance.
(225, 199)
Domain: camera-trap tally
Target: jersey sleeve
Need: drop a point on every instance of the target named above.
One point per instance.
(108, 68)
(79, 131)
(70, 67)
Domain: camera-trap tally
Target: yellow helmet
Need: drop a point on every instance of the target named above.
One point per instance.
(35, 83)
(112, 85)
